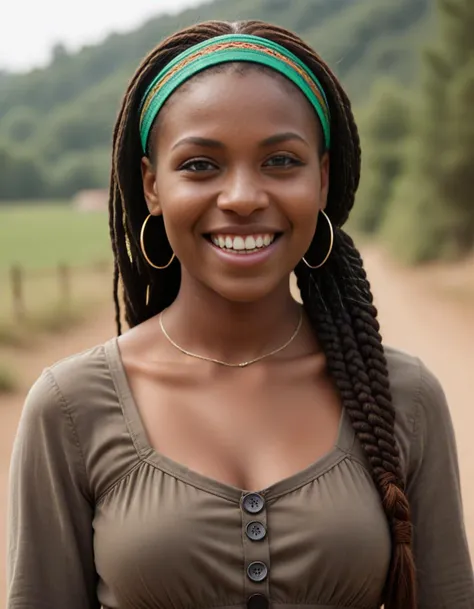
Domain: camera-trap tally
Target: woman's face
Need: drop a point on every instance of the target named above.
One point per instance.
(239, 180)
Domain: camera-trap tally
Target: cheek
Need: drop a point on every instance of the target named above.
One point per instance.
(182, 203)
(302, 201)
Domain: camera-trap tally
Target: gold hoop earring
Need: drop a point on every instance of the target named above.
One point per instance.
(331, 243)
(142, 246)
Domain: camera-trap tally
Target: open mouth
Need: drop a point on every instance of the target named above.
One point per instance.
(243, 244)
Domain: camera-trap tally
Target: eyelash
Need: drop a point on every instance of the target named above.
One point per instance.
(294, 161)
(187, 166)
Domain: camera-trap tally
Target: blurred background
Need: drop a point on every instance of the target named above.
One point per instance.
(408, 66)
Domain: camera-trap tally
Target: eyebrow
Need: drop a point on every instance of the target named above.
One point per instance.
(199, 141)
(205, 142)
(279, 138)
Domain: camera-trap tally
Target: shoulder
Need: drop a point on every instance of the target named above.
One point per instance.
(82, 373)
(419, 401)
(77, 405)
(414, 386)
(68, 392)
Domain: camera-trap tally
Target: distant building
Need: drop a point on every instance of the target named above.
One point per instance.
(91, 200)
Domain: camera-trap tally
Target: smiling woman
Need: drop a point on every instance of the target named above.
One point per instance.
(233, 448)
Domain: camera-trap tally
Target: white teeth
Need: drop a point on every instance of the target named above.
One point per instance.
(239, 244)
(242, 244)
(249, 243)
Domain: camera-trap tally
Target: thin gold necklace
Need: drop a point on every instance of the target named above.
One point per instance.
(230, 364)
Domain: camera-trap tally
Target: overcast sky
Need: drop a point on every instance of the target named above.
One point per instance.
(29, 28)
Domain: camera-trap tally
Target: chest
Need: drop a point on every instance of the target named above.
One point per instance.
(167, 538)
(248, 428)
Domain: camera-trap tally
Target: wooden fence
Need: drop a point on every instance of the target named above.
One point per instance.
(63, 277)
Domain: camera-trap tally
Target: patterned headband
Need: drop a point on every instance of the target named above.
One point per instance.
(225, 49)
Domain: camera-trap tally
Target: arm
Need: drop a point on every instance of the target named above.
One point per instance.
(50, 563)
(445, 576)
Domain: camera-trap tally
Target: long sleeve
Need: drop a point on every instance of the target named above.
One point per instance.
(445, 575)
(50, 563)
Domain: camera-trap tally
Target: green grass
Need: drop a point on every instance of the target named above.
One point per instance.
(43, 235)
(39, 237)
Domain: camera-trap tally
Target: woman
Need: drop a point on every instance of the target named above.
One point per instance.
(234, 448)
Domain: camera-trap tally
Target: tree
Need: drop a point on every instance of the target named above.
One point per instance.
(76, 171)
(20, 176)
(432, 213)
(385, 125)
(19, 124)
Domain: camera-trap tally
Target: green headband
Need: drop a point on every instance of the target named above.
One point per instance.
(225, 49)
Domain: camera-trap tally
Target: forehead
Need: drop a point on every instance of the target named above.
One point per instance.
(237, 99)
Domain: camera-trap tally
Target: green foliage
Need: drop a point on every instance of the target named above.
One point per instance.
(42, 236)
(385, 126)
(368, 38)
(431, 215)
(20, 175)
(19, 124)
(74, 169)
(64, 113)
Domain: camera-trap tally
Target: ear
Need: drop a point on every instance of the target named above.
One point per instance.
(325, 165)
(149, 187)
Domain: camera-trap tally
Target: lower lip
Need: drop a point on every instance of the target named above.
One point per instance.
(245, 260)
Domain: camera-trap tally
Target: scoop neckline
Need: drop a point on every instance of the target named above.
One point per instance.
(146, 452)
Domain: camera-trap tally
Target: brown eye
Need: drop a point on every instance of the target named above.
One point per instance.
(283, 160)
(197, 165)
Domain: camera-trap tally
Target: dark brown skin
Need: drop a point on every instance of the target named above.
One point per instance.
(247, 427)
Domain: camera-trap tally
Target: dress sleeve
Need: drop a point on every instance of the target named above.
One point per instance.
(445, 576)
(50, 562)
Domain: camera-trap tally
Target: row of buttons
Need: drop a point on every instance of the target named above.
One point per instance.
(257, 571)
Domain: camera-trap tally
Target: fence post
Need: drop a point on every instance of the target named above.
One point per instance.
(64, 273)
(16, 277)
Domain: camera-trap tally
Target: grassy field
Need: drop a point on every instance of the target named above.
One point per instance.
(39, 238)
(44, 235)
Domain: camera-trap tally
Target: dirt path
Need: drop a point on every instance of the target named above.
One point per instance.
(414, 315)
(417, 316)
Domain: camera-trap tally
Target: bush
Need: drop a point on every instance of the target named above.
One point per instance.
(77, 170)
(20, 175)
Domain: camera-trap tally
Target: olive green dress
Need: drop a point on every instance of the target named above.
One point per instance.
(97, 517)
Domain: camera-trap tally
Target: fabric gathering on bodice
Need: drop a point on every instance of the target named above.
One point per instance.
(121, 526)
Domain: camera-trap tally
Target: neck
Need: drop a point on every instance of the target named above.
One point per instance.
(207, 324)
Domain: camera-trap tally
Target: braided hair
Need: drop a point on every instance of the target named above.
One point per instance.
(336, 297)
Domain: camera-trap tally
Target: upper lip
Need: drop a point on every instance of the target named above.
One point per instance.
(254, 229)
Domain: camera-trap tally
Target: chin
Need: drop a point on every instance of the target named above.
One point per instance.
(248, 292)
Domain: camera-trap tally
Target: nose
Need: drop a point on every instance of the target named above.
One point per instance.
(243, 194)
